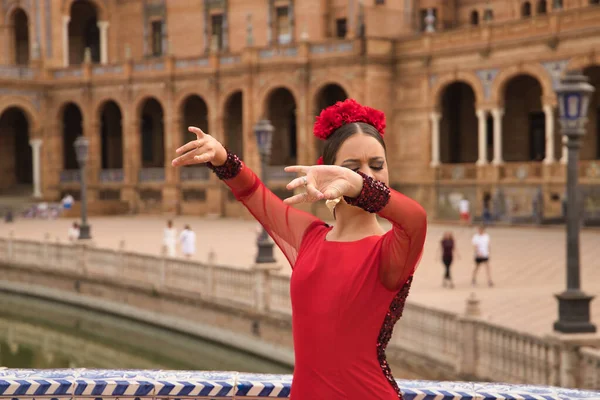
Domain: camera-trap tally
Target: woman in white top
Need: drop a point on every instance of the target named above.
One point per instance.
(170, 239)
(188, 242)
(481, 244)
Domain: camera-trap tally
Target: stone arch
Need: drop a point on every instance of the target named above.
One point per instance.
(101, 102)
(280, 107)
(15, 149)
(84, 32)
(446, 80)
(458, 128)
(316, 90)
(140, 100)
(100, 8)
(110, 129)
(182, 97)
(30, 112)
(536, 71)
(151, 128)
(266, 92)
(20, 37)
(224, 99)
(524, 122)
(232, 114)
(62, 107)
(12, 9)
(72, 125)
(193, 110)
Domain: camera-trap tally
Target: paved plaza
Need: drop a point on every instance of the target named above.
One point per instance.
(528, 264)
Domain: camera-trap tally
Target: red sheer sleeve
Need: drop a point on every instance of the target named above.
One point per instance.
(285, 224)
(403, 244)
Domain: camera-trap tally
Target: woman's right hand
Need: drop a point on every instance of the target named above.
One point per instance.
(203, 149)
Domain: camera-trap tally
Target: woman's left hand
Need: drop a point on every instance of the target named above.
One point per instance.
(323, 182)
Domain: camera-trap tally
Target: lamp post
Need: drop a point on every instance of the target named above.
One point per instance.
(574, 94)
(263, 130)
(82, 145)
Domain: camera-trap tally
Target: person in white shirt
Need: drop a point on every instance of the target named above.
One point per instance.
(188, 242)
(464, 208)
(73, 232)
(481, 245)
(170, 239)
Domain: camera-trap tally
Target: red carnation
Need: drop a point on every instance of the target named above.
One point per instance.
(347, 112)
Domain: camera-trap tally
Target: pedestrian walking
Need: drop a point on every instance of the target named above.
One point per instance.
(170, 240)
(187, 238)
(481, 245)
(448, 251)
(464, 208)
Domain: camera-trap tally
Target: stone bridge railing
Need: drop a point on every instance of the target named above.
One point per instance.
(144, 385)
(463, 345)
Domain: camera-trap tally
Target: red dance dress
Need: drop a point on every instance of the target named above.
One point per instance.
(346, 296)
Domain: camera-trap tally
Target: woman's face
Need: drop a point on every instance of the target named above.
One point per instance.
(364, 153)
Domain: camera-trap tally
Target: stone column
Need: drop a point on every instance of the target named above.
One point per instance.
(435, 118)
(482, 137)
(65, 40)
(36, 145)
(497, 114)
(103, 26)
(549, 113)
(564, 158)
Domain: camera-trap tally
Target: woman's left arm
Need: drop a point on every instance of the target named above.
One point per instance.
(403, 244)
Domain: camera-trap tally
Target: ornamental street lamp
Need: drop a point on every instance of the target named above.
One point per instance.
(574, 94)
(82, 145)
(263, 130)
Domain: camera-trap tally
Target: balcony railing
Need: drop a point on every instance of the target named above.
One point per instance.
(152, 175)
(278, 52)
(567, 22)
(199, 173)
(70, 176)
(17, 72)
(456, 172)
(521, 171)
(112, 175)
(277, 173)
(70, 72)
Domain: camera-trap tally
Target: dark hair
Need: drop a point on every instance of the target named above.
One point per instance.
(337, 138)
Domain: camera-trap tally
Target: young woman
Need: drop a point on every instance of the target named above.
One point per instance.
(350, 281)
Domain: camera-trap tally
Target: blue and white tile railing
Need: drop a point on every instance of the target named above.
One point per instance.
(464, 346)
(27, 384)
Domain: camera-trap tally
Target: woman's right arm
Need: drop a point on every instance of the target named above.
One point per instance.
(285, 224)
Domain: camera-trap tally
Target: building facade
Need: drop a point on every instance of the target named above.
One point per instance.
(467, 86)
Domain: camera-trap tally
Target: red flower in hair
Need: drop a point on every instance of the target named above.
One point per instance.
(347, 112)
(320, 161)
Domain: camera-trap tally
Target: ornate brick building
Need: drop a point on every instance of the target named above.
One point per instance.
(467, 87)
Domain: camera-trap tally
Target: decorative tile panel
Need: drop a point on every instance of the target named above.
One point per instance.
(487, 77)
(555, 69)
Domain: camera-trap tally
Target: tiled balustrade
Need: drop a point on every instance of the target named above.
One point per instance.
(27, 384)
(465, 346)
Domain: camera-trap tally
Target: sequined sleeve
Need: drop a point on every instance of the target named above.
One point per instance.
(403, 244)
(285, 224)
